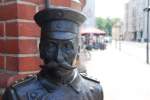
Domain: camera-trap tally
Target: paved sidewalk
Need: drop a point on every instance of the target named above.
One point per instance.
(122, 76)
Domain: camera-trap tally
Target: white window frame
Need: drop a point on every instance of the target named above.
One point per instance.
(78, 1)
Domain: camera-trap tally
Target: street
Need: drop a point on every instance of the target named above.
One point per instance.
(123, 74)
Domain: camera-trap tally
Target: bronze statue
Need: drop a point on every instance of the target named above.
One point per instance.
(59, 78)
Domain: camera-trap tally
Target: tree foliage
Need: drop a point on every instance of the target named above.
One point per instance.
(106, 24)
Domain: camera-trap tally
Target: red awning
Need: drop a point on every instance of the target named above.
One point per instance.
(92, 31)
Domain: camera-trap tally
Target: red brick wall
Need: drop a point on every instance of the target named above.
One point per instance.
(19, 38)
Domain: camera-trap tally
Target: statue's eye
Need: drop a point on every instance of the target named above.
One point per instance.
(68, 45)
(52, 44)
(52, 47)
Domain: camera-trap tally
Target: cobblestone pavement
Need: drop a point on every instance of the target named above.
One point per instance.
(122, 76)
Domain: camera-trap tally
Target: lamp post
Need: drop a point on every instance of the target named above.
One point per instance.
(147, 46)
(47, 4)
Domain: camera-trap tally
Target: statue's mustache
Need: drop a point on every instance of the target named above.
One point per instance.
(63, 65)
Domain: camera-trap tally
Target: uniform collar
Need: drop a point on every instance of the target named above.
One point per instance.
(76, 83)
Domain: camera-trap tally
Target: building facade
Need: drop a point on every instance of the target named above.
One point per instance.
(89, 11)
(135, 20)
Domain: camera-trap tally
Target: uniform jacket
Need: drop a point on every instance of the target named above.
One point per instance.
(39, 88)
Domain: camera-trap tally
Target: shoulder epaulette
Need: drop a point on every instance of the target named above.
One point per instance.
(24, 80)
(84, 75)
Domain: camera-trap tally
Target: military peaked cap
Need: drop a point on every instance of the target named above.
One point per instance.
(60, 22)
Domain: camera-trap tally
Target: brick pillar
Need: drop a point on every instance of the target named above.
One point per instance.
(19, 38)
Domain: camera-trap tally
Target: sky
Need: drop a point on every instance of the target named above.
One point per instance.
(110, 8)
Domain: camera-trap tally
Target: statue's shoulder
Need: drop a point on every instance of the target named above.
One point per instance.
(25, 82)
(93, 84)
(90, 78)
(19, 87)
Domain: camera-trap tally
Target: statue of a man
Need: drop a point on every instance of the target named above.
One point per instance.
(59, 78)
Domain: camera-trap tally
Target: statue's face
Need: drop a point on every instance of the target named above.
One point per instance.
(58, 53)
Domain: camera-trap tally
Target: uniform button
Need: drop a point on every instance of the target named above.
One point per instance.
(91, 89)
(60, 14)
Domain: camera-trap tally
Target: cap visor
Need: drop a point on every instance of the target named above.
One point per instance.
(61, 35)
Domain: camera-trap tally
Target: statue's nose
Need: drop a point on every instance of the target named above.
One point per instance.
(59, 57)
